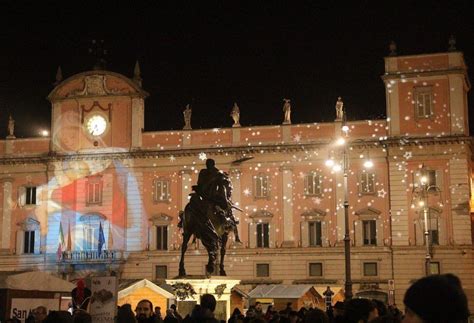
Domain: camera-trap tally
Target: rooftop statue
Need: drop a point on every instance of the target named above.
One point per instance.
(187, 117)
(235, 114)
(287, 111)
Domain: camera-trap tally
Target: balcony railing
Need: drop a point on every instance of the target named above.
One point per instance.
(91, 256)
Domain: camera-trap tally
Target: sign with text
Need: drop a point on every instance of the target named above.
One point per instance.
(103, 304)
(21, 307)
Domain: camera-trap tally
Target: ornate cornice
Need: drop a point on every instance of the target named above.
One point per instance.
(52, 157)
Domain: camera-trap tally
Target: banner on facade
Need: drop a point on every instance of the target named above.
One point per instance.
(103, 305)
(22, 307)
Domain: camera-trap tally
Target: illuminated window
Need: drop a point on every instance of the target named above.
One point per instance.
(263, 270)
(29, 242)
(94, 190)
(367, 183)
(261, 186)
(312, 184)
(369, 232)
(161, 272)
(370, 269)
(161, 192)
(434, 268)
(316, 269)
(162, 237)
(263, 235)
(423, 102)
(314, 230)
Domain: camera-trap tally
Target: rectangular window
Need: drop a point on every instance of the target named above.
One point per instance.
(312, 185)
(89, 238)
(434, 268)
(29, 242)
(30, 198)
(261, 186)
(423, 102)
(263, 270)
(431, 174)
(161, 272)
(314, 229)
(316, 269)
(161, 190)
(367, 183)
(94, 190)
(162, 237)
(370, 269)
(369, 232)
(263, 235)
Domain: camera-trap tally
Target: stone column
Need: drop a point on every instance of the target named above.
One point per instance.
(287, 203)
(5, 221)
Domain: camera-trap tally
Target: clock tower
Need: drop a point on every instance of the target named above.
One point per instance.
(97, 111)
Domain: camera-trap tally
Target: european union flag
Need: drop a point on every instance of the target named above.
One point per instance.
(101, 239)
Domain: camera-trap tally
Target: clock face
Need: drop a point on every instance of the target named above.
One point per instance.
(96, 125)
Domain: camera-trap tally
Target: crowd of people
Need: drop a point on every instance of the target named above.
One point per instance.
(432, 299)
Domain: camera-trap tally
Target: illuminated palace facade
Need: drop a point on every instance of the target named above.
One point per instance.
(99, 170)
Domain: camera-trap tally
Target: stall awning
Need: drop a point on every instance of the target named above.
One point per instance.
(36, 280)
(322, 289)
(124, 291)
(279, 291)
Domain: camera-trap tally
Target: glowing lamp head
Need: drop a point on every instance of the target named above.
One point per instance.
(368, 164)
(421, 203)
(345, 129)
(341, 141)
(329, 163)
(44, 133)
(423, 180)
(337, 168)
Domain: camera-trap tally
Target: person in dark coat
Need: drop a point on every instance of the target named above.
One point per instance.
(205, 313)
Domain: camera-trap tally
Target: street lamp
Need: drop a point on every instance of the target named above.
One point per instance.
(420, 200)
(343, 165)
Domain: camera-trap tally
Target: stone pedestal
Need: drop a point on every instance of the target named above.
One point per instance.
(219, 286)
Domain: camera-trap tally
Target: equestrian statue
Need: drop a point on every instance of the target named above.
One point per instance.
(208, 216)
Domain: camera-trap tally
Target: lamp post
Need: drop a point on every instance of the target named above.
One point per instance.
(423, 203)
(342, 142)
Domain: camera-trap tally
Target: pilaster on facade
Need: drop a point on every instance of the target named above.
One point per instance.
(186, 186)
(287, 203)
(5, 220)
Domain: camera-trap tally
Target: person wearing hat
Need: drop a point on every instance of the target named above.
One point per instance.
(436, 298)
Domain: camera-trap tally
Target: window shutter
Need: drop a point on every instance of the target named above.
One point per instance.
(324, 234)
(442, 230)
(267, 236)
(439, 180)
(306, 185)
(252, 236)
(304, 233)
(39, 194)
(152, 237)
(20, 237)
(37, 242)
(379, 232)
(22, 196)
(358, 236)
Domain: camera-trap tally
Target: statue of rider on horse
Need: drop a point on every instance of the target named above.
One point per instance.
(208, 215)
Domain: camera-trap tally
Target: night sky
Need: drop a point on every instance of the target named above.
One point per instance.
(254, 53)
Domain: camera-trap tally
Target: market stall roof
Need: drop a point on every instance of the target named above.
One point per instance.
(280, 291)
(35, 280)
(130, 287)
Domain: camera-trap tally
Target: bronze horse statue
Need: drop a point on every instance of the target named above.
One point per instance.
(209, 221)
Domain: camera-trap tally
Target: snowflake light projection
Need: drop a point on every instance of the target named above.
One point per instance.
(202, 156)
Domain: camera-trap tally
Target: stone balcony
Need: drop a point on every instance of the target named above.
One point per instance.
(91, 256)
